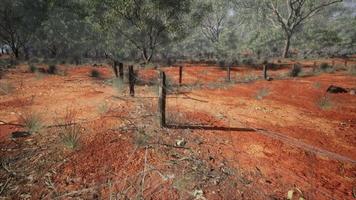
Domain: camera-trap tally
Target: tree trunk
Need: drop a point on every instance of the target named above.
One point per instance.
(16, 52)
(147, 58)
(286, 47)
(121, 70)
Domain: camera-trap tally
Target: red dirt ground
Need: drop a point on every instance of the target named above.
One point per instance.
(301, 145)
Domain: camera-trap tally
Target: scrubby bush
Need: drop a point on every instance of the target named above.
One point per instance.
(221, 63)
(325, 67)
(95, 73)
(52, 69)
(352, 70)
(32, 68)
(249, 61)
(295, 71)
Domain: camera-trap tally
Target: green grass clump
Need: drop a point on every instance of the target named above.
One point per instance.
(32, 68)
(262, 93)
(118, 84)
(95, 73)
(324, 103)
(71, 136)
(325, 67)
(6, 88)
(32, 122)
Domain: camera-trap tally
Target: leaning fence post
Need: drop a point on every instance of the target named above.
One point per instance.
(132, 81)
(162, 99)
(180, 75)
(265, 72)
(121, 70)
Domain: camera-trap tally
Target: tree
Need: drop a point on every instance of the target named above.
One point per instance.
(19, 20)
(146, 24)
(288, 15)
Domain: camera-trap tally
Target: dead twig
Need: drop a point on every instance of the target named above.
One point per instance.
(5, 185)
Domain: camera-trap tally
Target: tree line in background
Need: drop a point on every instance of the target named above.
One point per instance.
(159, 30)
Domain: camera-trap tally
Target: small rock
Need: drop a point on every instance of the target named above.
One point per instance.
(352, 92)
(181, 143)
(269, 79)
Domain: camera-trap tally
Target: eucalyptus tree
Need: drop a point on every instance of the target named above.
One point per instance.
(146, 24)
(19, 20)
(288, 16)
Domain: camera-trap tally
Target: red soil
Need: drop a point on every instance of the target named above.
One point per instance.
(290, 109)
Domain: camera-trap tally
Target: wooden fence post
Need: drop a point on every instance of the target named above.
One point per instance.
(132, 81)
(333, 63)
(228, 72)
(115, 69)
(345, 63)
(162, 99)
(180, 75)
(265, 72)
(121, 71)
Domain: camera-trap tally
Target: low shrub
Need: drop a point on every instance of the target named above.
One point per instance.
(52, 69)
(32, 68)
(325, 67)
(295, 71)
(324, 103)
(352, 71)
(95, 73)
(249, 61)
(221, 63)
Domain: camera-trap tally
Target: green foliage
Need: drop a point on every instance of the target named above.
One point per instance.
(95, 73)
(352, 70)
(295, 71)
(70, 132)
(32, 68)
(325, 103)
(71, 136)
(103, 108)
(118, 85)
(52, 69)
(325, 67)
(31, 121)
(261, 93)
